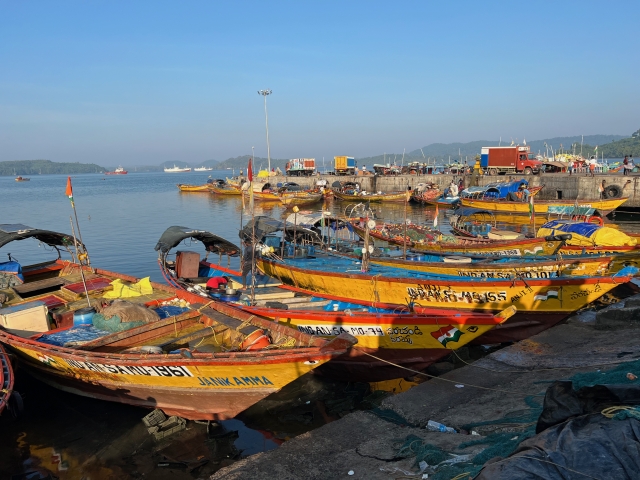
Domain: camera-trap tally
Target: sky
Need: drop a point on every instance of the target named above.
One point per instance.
(145, 82)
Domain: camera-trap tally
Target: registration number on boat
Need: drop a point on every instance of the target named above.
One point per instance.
(149, 371)
(335, 330)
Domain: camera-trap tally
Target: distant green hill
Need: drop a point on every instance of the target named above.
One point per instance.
(44, 167)
(626, 146)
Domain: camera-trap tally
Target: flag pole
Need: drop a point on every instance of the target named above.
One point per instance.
(253, 232)
(69, 193)
(75, 243)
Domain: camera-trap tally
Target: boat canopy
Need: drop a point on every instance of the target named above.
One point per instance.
(502, 190)
(172, 237)
(266, 225)
(17, 231)
(310, 219)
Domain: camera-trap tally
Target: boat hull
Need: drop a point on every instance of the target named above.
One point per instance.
(541, 206)
(6, 378)
(193, 188)
(410, 340)
(557, 298)
(306, 199)
(375, 198)
(197, 385)
(232, 190)
(192, 390)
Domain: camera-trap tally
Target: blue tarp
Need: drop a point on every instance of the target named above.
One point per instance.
(167, 311)
(73, 336)
(13, 268)
(584, 229)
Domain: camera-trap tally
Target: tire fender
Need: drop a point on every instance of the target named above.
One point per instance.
(612, 191)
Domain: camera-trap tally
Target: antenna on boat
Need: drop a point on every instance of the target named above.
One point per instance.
(78, 256)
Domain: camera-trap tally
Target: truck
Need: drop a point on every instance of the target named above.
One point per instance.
(301, 167)
(511, 159)
(344, 165)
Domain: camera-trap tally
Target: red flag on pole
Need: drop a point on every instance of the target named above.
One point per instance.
(69, 191)
(250, 176)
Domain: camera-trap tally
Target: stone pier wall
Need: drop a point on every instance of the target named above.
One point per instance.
(556, 185)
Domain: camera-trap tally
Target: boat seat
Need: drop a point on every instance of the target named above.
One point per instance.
(232, 323)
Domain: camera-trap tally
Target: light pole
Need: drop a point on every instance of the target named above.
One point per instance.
(264, 93)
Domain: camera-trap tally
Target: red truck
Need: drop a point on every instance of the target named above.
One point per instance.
(503, 160)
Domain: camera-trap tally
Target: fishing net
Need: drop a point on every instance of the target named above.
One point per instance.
(126, 311)
(521, 425)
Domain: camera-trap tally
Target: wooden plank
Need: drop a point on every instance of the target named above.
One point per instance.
(232, 323)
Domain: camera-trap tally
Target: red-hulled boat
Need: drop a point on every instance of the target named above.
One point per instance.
(117, 171)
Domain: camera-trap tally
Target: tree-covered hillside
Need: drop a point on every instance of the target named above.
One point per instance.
(44, 167)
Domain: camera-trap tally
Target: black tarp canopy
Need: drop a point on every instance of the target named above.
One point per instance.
(172, 237)
(266, 225)
(17, 231)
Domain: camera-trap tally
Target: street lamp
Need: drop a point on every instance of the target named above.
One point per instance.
(264, 93)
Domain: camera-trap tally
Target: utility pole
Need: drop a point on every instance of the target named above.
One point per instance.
(264, 93)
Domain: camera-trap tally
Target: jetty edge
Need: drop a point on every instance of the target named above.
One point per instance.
(367, 443)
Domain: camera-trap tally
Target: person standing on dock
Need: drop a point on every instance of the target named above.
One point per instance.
(625, 165)
(592, 165)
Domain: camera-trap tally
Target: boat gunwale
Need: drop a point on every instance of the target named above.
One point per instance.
(465, 318)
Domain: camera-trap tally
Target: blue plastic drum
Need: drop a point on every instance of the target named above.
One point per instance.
(84, 316)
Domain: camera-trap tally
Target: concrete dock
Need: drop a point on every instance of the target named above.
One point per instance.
(557, 186)
(364, 445)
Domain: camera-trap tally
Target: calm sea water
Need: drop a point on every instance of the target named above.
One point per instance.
(122, 217)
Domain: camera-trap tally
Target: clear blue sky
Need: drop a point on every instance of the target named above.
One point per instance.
(149, 81)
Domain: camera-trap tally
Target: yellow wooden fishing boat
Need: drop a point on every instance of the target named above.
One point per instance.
(205, 361)
(374, 197)
(183, 187)
(300, 198)
(266, 196)
(226, 190)
(540, 302)
(542, 206)
(472, 246)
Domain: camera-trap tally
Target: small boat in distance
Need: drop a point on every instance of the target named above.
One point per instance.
(22, 179)
(117, 171)
(177, 169)
(203, 169)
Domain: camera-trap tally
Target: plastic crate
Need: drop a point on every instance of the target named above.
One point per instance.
(169, 427)
(154, 418)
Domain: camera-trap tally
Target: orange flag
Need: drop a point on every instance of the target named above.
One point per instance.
(69, 191)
